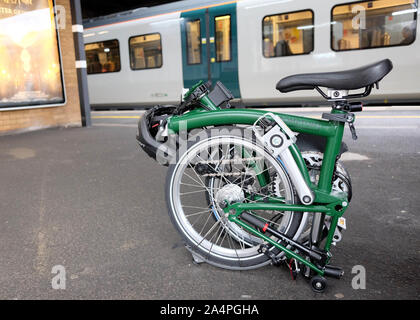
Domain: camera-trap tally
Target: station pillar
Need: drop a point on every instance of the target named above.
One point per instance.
(77, 28)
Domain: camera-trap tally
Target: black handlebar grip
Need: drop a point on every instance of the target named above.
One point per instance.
(356, 107)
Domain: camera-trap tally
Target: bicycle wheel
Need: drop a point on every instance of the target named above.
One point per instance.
(227, 166)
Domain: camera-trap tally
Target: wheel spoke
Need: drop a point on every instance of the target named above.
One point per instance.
(231, 171)
(192, 192)
(196, 213)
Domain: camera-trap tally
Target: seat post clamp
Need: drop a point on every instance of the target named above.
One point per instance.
(337, 94)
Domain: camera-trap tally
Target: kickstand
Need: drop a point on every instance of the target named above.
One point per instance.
(196, 258)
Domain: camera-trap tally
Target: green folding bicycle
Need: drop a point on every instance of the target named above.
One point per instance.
(246, 188)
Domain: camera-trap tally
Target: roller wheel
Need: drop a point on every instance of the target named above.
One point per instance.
(318, 284)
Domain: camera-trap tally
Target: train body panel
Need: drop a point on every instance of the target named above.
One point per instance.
(274, 39)
(258, 75)
(129, 87)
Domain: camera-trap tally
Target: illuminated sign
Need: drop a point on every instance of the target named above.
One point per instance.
(30, 67)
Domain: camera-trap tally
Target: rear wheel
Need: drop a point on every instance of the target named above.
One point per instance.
(215, 169)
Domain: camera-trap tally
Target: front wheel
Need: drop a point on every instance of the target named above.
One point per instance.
(227, 166)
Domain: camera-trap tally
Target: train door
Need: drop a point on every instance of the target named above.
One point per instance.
(209, 46)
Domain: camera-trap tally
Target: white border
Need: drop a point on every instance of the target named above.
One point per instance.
(42, 106)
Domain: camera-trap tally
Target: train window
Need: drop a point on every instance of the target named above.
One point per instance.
(146, 51)
(288, 34)
(373, 24)
(223, 38)
(193, 31)
(103, 57)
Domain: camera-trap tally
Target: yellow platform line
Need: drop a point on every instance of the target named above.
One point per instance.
(388, 117)
(116, 117)
(375, 117)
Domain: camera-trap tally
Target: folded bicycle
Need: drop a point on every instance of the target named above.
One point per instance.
(246, 188)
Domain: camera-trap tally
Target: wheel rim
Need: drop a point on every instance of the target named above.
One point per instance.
(207, 226)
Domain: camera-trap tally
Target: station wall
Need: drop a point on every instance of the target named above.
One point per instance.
(65, 115)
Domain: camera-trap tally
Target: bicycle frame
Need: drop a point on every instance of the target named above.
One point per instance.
(330, 203)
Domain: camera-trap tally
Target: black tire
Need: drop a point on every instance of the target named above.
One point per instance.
(256, 261)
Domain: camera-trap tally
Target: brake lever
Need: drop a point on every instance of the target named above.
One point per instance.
(350, 120)
(353, 131)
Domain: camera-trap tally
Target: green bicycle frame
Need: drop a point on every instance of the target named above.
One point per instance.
(333, 204)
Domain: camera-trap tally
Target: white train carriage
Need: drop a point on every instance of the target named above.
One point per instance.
(146, 56)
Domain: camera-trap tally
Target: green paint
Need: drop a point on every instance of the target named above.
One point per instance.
(249, 116)
(208, 103)
(332, 131)
(263, 179)
(301, 163)
(289, 253)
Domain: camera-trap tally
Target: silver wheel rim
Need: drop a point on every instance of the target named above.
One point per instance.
(219, 237)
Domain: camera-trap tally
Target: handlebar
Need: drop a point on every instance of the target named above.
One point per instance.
(355, 107)
(200, 96)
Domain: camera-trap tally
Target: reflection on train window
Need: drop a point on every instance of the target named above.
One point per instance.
(223, 43)
(193, 42)
(146, 52)
(373, 24)
(103, 57)
(288, 34)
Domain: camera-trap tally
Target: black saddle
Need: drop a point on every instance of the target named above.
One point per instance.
(362, 77)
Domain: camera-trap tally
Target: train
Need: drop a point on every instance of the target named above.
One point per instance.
(149, 56)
